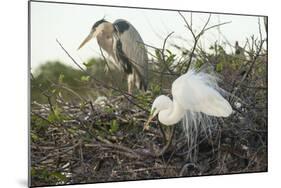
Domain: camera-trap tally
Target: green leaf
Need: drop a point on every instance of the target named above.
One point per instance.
(108, 109)
(52, 117)
(55, 115)
(156, 89)
(38, 124)
(61, 77)
(89, 64)
(198, 64)
(158, 54)
(170, 53)
(33, 172)
(85, 78)
(171, 58)
(57, 111)
(219, 67)
(114, 126)
(59, 176)
(34, 137)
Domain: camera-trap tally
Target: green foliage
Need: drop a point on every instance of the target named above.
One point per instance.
(166, 59)
(49, 78)
(158, 54)
(51, 74)
(46, 177)
(56, 72)
(170, 58)
(155, 89)
(38, 128)
(56, 115)
(34, 137)
(144, 99)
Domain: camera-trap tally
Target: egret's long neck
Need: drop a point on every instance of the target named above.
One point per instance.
(171, 115)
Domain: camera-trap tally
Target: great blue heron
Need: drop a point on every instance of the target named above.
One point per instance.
(125, 47)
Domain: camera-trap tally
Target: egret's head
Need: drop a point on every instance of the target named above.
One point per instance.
(162, 102)
(99, 27)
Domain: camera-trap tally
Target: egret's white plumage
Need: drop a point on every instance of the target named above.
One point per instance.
(199, 92)
(196, 92)
(196, 99)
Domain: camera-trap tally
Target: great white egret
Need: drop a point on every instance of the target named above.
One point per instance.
(196, 99)
(195, 95)
(125, 48)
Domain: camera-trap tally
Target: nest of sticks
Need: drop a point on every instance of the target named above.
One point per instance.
(103, 142)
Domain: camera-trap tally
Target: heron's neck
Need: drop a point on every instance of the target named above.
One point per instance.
(171, 115)
(106, 41)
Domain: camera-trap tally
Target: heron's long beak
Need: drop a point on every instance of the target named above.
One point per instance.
(87, 39)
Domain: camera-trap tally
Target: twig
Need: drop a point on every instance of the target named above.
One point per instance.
(250, 68)
(168, 144)
(217, 25)
(196, 37)
(163, 54)
(105, 60)
(57, 153)
(71, 91)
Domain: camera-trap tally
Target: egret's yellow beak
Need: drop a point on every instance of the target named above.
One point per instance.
(146, 125)
(87, 39)
(152, 115)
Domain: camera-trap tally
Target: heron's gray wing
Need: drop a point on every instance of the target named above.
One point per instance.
(133, 47)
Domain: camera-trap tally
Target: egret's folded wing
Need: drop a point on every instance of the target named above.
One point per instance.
(198, 92)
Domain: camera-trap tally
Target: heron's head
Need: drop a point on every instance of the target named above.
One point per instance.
(99, 27)
(162, 102)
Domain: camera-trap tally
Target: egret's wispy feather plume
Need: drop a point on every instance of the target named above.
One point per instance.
(195, 124)
(199, 94)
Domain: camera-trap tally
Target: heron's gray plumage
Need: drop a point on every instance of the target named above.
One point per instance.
(121, 57)
(134, 50)
(121, 25)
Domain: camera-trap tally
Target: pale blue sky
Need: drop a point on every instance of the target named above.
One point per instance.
(72, 23)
